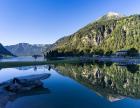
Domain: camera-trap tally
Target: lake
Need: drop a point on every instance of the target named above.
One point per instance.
(78, 86)
(21, 58)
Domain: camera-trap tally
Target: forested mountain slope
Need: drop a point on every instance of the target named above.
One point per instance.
(4, 52)
(103, 35)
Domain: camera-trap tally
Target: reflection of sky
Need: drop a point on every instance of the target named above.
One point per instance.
(25, 67)
(9, 73)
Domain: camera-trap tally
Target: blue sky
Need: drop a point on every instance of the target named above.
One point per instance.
(45, 21)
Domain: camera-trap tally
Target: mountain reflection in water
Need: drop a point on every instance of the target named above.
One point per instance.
(100, 85)
(109, 80)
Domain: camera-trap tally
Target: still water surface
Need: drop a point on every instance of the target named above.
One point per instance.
(78, 86)
(21, 58)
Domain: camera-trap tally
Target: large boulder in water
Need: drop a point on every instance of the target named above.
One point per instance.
(25, 83)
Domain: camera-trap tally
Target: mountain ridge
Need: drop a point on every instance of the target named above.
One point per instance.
(25, 49)
(4, 51)
(102, 35)
(111, 15)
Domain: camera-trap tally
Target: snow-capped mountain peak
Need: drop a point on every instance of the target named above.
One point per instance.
(111, 15)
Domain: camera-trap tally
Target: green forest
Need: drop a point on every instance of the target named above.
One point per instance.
(100, 37)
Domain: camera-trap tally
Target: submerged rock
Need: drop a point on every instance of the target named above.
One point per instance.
(22, 86)
(25, 83)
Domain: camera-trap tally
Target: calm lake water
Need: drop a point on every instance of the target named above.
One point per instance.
(78, 86)
(21, 58)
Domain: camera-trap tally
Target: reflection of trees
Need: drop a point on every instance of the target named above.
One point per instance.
(133, 68)
(109, 63)
(106, 80)
(35, 68)
(49, 67)
(102, 63)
